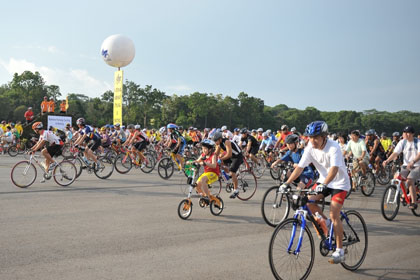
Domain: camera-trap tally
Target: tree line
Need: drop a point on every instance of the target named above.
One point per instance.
(152, 107)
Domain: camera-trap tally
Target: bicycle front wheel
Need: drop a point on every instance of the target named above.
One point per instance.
(416, 212)
(275, 206)
(149, 163)
(23, 174)
(105, 169)
(165, 168)
(390, 203)
(247, 185)
(65, 173)
(275, 173)
(13, 151)
(368, 184)
(286, 263)
(355, 241)
(123, 163)
(215, 188)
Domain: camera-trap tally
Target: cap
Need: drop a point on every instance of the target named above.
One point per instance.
(409, 129)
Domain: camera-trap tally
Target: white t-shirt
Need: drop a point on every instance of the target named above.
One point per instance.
(325, 159)
(409, 152)
(237, 139)
(50, 137)
(227, 134)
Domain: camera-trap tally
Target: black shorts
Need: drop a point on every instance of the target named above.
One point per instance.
(140, 146)
(94, 145)
(54, 150)
(254, 150)
(336, 195)
(234, 163)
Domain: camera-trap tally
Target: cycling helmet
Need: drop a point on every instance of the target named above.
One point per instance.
(254, 131)
(284, 127)
(37, 125)
(269, 131)
(217, 135)
(293, 129)
(137, 126)
(383, 134)
(162, 130)
(244, 131)
(224, 128)
(236, 129)
(68, 124)
(265, 134)
(12, 124)
(80, 121)
(370, 132)
(130, 126)
(180, 127)
(260, 130)
(172, 126)
(111, 126)
(117, 125)
(208, 143)
(316, 128)
(292, 138)
(103, 128)
(396, 134)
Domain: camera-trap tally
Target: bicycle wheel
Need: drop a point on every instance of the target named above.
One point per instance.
(66, 151)
(286, 263)
(275, 206)
(215, 188)
(390, 203)
(12, 151)
(79, 166)
(217, 209)
(259, 168)
(247, 185)
(123, 163)
(368, 185)
(165, 168)
(275, 173)
(23, 174)
(355, 241)
(106, 168)
(185, 209)
(416, 212)
(65, 173)
(149, 165)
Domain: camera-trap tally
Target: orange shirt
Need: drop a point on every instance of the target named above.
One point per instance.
(51, 106)
(63, 106)
(44, 106)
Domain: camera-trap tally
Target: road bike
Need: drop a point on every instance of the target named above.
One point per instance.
(391, 199)
(104, 171)
(185, 207)
(292, 250)
(125, 161)
(247, 182)
(24, 173)
(365, 183)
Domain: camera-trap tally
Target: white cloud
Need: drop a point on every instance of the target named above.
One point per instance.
(69, 81)
(178, 89)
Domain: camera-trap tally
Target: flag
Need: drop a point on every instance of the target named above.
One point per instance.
(67, 102)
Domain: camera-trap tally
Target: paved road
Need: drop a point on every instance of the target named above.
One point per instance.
(127, 227)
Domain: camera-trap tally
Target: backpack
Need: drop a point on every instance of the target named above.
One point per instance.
(416, 140)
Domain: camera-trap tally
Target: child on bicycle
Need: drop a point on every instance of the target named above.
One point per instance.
(326, 155)
(208, 159)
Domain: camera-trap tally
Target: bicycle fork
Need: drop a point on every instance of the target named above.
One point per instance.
(300, 214)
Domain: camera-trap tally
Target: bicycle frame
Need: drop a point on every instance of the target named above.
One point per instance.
(399, 183)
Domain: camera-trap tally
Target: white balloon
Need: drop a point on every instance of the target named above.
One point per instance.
(118, 50)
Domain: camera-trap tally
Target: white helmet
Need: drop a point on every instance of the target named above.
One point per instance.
(260, 130)
(137, 126)
(293, 129)
(162, 130)
(224, 128)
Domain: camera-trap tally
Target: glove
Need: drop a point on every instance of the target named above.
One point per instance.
(320, 188)
(219, 162)
(284, 188)
(76, 146)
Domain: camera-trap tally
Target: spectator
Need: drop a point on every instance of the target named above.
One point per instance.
(63, 106)
(29, 115)
(3, 125)
(19, 127)
(7, 138)
(44, 105)
(51, 106)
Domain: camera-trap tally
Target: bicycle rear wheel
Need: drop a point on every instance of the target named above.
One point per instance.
(275, 206)
(165, 168)
(185, 209)
(416, 212)
(23, 174)
(247, 185)
(287, 264)
(355, 241)
(217, 209)
(390, 203)
(275, 173)
(65, 173)
(368, 185)
(123, 163)
(149, 164)
(215, 188)
(12, 151)
(383, 176)
(105, 169)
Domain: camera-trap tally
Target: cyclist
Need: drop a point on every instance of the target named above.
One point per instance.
(139, 141)
(211, 169)
(87, 134)
(232, 157)
(326, 155)
(294, 154)
(54, 147)
(411, 165)
(119, 134)
(386, 142)
(267, 144)
(237, 136)
(7, 138)
(226, 132)
(260, 136)
(69, 133)
(375, 149)
(284, 132)
(252, 145)
(357, 148)
(106, 140)
(176, 142)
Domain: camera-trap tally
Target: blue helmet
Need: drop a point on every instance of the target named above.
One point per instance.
(208, 143)
(172, 126)
(316, 128)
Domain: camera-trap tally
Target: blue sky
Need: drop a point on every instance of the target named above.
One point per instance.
(333, 55)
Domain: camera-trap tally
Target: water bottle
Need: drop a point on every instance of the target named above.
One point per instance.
(86, 160)
(225, 175)
(322, 223)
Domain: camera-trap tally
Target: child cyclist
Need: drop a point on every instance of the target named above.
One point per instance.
(208, 159)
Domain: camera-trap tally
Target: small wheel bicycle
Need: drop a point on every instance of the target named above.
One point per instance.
(24, 173)
(292, 250)
(391, 198)
(185, 206)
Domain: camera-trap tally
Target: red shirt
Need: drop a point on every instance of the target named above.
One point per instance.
(208, 160)
(29, 115)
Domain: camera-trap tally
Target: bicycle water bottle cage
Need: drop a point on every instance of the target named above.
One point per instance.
(298, 201)
(189, 180)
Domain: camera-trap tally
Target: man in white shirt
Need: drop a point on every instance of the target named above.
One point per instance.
(326, 155)
(226, 133)
(411, 164)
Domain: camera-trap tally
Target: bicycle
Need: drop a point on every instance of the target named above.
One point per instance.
(104, 171)
(366, 183)
(166, 165)
(391, 199)
(289, 255)
(247, 182)
(16, 148)
(189, 167)
(125, 161)
(185, 206)
(24, 173)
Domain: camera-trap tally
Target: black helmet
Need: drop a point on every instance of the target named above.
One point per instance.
(244, 130)
(291, 138)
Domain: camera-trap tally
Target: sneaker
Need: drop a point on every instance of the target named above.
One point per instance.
(143, 165)
(52, 165)
(42, 180)
(98, 166)
(337, 257)
(234, 194)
